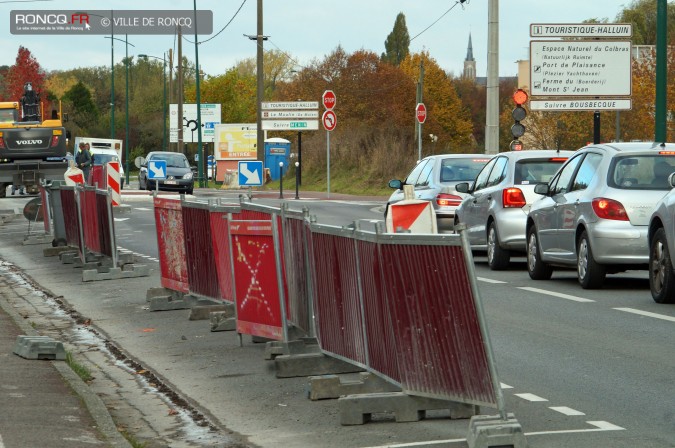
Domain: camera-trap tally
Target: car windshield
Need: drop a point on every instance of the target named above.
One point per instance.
(101, 159)
(172, 160)
(641, 172)
(536, 171)
(461, 170)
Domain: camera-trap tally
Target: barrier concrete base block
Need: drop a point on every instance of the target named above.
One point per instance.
(358, 409)
(124, 259)
(91, 275)
(492, 431)
(6, 218)
(332, 386)
(69, 257)
(39, 347)
(311, 364)
(203, 312)
(32, 240)
(168, 303)
(56, 251)
(197, 300)
(295, 347)
(220, 321)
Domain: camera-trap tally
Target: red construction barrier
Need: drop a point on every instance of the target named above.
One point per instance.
(170, 244)
(90, 218)
(70, 216)
(220, 240)
(97, 177)
(44, 209)
(295, 227)
(106, 229)
(113, 182)
(257, 273)
(338, 312)
(201, 268)
(441, 351)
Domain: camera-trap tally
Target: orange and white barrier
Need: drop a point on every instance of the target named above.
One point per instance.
(411, 215)
(113, 181)
(74, 176)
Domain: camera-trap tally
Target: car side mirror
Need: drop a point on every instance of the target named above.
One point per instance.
(541, 189)
(194, 169)
(462, 187)
(396, 184)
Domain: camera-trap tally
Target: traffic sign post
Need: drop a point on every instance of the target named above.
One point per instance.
(329, 120)
(421, 116)
(250, 173)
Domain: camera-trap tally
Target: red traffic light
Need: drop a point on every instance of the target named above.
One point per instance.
(520, 97)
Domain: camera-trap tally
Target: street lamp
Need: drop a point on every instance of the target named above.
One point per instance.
(126, 96)
(200, 151)
(163, 58)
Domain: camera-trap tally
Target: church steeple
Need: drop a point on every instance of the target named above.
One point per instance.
(469, 63)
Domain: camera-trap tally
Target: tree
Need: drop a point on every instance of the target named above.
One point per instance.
(84, 111)
(277, 66)
(397, 45)
(26, 69)
(642, 14)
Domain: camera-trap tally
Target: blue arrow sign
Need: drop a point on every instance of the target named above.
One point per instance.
(157, 169)
(250, 173)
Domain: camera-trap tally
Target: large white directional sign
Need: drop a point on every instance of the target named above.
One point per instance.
(210, 116)
(580, 68)
(157, 169)
(250, 173)
(290, 116)
(582, 104)
(583, 30)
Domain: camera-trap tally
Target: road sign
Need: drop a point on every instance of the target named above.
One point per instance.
(295, 105)
(156, 169)
(291, 114)
(290, 125)
(585, 104)
(210, 115)
(421, 112)
(329, 120)
(580, 68)
(250, 173)
(329, 99)
(587, 30)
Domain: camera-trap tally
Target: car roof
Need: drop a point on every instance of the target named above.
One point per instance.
(535, 154)
(154, 153)
(634, 146)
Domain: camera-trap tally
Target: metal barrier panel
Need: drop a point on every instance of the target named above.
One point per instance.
(257, 296)
(70, 216)
(294, 226)
(337, 304)
(57, 213)
(44, 209)
(441, 349)
(90, 218)
(379, 334)
(170, 244)
(97, 177)
(201, 267)
(106, 230)
(220, 241)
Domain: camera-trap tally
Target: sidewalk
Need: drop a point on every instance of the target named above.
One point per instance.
(44, 403)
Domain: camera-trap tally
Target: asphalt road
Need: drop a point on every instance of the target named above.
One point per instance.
(578, 368)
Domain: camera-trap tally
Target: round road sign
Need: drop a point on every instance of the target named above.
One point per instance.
(421, 112)
(328, 99)
(329, 120)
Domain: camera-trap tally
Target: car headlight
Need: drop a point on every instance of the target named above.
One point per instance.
(187, 176)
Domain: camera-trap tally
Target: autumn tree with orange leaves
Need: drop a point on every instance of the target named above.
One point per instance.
(26, 69)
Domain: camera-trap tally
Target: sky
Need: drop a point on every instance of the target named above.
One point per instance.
(310, 29)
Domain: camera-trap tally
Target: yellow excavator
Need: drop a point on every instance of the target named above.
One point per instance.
(31, 148)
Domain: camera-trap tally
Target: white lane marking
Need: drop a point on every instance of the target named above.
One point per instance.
(2, 445)
(488, 280)
(121, 219)
(530, 397)
(565, 410)
(555, 294)
(646, 314)
(600, 426)
(505, 386)
(143, 209)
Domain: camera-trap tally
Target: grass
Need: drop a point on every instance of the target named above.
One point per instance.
(82, 371)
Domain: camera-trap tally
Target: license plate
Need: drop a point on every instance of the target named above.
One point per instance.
(170, 182)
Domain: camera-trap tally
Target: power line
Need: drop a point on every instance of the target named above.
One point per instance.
(222, 29)
(437, 20)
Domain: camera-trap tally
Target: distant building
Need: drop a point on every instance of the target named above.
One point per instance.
(469, 63)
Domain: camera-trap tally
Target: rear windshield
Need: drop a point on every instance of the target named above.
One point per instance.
(537, 171)
(641, 172)
(102, 159)
(461, 170)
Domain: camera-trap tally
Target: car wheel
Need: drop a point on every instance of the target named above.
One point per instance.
(591, 274)
(537, 269)
(498, 258)
(661, 275)
(188, 191)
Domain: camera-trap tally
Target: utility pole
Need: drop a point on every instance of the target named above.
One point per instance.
(200, 152)
(660, 132)
(492, 112)
(260, 145)
(179, 94)
(171, 147)
(420, 99)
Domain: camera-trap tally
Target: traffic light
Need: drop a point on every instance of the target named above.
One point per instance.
(518, 114)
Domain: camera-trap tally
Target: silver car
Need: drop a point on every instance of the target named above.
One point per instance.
(595, 212)
(434, 179)
(662, 248)
(495, 210)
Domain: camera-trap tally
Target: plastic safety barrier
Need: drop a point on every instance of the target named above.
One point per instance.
(170, 244)
(71, 218)
(220, 240)
(106, 228)
(201, 269)
(45, 210)
(90, 218)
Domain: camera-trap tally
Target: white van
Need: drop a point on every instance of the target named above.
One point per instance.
(103, 150)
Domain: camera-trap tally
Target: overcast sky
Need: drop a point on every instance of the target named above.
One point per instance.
(309, 29)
